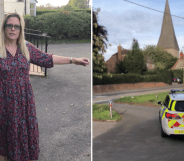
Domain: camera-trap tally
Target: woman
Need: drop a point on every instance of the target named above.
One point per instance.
(19, 135)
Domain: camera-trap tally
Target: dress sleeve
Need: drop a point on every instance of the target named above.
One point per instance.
(38, 57)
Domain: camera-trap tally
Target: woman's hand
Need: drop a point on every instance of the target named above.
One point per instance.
(81, 61)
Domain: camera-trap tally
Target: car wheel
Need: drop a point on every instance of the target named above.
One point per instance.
(163, 134)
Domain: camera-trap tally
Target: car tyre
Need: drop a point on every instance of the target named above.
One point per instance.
(163, 134)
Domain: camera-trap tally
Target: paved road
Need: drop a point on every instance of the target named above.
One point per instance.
(106, 97)
(137, 138)
(63, 107)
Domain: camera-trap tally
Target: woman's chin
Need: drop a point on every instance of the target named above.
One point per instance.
(11, 38)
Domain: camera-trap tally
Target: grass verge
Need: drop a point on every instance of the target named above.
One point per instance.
(146, 100)
(101, 112)
(70, 41)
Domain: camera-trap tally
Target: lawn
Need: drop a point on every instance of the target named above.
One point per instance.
(147, 100)
(102, 112)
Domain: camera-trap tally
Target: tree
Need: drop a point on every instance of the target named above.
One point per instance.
(134, 61)
(161, 58)
(99, 45)
(77, 4)
(48, 6)
(135, 45)
(120, 67)
(67, 8)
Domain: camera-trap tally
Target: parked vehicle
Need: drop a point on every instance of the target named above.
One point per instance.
(171, 113)
(176, 79)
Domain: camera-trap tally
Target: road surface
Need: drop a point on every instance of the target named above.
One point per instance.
(63, 106)
(137, 138)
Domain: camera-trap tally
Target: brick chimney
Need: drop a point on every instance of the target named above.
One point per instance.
(181, 55)
(119, 52)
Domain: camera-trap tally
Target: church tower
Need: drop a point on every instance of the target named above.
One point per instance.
(167, 38)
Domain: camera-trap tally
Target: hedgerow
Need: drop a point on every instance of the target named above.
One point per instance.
(62, 25)
(43, 11)
(102, 79)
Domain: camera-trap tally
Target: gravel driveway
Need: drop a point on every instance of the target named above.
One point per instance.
(63, 102)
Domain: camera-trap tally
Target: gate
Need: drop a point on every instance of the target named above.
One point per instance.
(40, 41)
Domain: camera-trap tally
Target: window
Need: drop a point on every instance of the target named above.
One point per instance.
(32, 12)
(166, 101)
(171, 105)
(179, 106)
(32, 9)
(31, 6)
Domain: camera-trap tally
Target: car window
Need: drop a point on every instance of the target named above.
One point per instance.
(166, 101)
(179, 106)
(171, 105)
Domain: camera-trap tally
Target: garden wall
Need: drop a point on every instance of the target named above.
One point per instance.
(118, 87)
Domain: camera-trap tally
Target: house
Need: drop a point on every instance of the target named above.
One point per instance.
(23, 7)
(1, 11)
(180, 62)
(120, 56)
(149, 63)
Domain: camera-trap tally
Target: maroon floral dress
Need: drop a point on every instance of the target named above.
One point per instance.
(19, 135)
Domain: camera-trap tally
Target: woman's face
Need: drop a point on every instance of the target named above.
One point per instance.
(12, 33)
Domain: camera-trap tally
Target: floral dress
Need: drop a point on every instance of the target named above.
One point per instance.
(19, 135)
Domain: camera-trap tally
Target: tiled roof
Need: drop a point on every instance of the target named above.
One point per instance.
(167, 37)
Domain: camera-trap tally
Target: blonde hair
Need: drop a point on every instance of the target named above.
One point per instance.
(20, 40)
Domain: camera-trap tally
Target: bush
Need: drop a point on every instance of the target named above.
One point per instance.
(178, 73)
(161, 58)
(43, 11)
(133, 63)
(102, 79)
(40, 12)
(62, 25)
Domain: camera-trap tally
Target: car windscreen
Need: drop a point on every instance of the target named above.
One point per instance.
(179, 106)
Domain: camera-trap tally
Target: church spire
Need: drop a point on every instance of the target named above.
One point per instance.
(167, 38)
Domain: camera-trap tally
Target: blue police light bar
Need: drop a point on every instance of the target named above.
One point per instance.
(176, 90)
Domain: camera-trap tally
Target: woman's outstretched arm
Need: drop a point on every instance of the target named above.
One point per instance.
(68, 60)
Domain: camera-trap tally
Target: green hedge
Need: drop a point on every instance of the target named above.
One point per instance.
(40, 12)
(62, 25)
(102, 79)
(178, 73)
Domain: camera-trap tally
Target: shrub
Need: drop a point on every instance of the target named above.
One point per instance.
(43, 11)
(161, 58)
(178, 73)
(62, 25)
(102, 79)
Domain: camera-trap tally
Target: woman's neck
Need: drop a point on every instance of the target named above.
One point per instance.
(10, 43)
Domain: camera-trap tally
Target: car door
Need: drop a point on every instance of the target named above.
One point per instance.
(165, 106)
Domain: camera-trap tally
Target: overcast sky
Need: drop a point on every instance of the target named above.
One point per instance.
(125, 21)
(54, 2)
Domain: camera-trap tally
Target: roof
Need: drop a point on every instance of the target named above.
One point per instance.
(123, 52)
(177, 96)
(167, 37)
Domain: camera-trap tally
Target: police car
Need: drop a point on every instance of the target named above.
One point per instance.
(171, 113)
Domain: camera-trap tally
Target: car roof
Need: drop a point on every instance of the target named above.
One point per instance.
(177, 96)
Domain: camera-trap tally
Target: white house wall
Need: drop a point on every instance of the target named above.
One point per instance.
(19, 7)
(1, 10)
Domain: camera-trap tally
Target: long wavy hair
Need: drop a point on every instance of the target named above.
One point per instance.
(20, 40)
